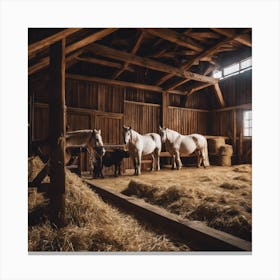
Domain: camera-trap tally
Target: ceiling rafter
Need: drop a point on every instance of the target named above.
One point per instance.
(147, 63)
(175, 37)
(72, 48)
(199, 57)
(37, 46)
(241, 38)
(133, 51)
(102, 62)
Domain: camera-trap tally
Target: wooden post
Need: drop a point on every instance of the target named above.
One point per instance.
(57, 131)
(234, 131)
(240, 148)
(164, 109)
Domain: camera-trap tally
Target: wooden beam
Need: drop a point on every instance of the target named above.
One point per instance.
(228, 32)
(57, 132)
(206, 53)
(175, 37)
(35, 47)
(114, 82)
(148, 63)
(164, 109)
(133, 51)
(163, 79)
(90, 39)
(177, 84)
(43, 63)
(194, 89)
(219, 95)
(102, 62)
(197, 235)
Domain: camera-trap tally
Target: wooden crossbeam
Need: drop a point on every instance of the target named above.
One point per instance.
(90, 39)
(241, 38)
(35, 47)
(219, 95)
(103, 62)
(199, 57)
(148, 63)
(194, 89)
(114, 82)
(121, 83)
(177, 84)
(133, 51)
(43, 63)
(174, 37)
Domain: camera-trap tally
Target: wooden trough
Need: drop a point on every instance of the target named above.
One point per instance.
(197, 235)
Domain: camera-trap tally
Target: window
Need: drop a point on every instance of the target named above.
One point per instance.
(234, 69)
(247, 123)
(231, 69)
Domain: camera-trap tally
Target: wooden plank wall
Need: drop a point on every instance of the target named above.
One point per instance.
(187, 121)
(106, 107)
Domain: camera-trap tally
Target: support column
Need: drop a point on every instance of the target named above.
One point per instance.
(164, 109)
(57, 132)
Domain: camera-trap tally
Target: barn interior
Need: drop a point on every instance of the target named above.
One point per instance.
(191, 80)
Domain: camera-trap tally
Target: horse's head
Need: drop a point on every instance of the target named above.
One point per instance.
(97, 139)
(163, 133)
(127, 133)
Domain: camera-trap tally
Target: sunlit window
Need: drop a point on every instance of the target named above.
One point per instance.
(234, 69)
(247, 123)
(246, 63)
(231, 69)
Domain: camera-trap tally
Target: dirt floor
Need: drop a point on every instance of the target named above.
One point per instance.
(219, 196)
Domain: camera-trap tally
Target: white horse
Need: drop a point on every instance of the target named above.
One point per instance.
(176, 143)
(139, 145)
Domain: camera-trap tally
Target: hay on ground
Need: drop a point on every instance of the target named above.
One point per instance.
(92, 225)
(216, 208)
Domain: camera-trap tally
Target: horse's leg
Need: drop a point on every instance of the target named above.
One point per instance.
(199, 158)
(139, 154)
(157, 156)
(135, 166)
(153, 162)
(173, 161)
(178, 160)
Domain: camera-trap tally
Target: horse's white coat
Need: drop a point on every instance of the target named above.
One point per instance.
(177, 143)
(139, 145)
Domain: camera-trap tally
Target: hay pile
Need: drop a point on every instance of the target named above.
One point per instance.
(216, 206)
(92, 225)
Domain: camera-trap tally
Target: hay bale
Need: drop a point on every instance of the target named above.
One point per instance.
(224, 160)
(226, 150)
(214, 144)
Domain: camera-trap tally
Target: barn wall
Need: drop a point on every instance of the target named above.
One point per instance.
(237, 90)
(106, 107)
(187, 121)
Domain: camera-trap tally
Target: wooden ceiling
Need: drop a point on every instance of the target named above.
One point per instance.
(179, 60)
